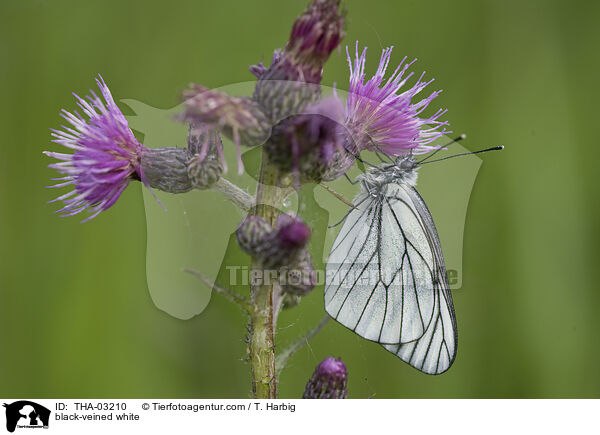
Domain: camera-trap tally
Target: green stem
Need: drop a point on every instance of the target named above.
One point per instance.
(236, 195)
(262, 344)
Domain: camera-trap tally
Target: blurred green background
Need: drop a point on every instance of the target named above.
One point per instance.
(76, 317)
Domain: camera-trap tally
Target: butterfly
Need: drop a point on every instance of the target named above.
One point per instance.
(386, 277)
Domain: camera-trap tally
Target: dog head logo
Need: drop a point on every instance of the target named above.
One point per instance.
(26, 414)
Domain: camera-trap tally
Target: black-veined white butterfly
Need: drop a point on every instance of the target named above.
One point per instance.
(386, 277)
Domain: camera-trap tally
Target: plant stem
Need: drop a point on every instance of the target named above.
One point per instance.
(262, 345)
(236, 195)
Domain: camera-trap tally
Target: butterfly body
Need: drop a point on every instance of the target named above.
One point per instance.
(386, 277)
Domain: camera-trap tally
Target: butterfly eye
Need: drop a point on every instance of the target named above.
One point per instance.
(407, 164)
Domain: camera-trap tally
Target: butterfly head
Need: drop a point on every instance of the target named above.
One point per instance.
(406, 164)
(402, 170)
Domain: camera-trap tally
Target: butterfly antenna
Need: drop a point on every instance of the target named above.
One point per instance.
(497, 148)
(458, 139)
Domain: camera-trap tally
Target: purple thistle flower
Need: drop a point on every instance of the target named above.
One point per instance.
(328, 381)
(381, 118)
(315, 34)
(292, 232)
(292, 81)
(106, 155)
(274, 247)
(286, 243)
(311, 145)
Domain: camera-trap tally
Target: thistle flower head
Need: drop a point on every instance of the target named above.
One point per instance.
(292, 233)
(292, 81)
(380, 117)
(274, 247)
(239, 118)
(287, 242)
(315, 34)
(106, 155)
(311, 144)
(328, 381)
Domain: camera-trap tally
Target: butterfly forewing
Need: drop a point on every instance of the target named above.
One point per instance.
(353, 259)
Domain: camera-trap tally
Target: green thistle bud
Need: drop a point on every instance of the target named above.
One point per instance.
(239, 118)
(204, 173)
(205, 166)
(286, 243)
(166, 169)
(293, 79)
(253, 234)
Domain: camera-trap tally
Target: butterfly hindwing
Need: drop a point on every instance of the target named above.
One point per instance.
(435, 351)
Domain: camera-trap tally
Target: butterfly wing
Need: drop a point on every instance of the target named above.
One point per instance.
(435, 351)
(386, 279)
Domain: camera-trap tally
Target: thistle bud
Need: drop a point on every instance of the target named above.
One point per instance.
(293, 78)
(276, 247)
(315, 34)
(328, 381)
(239, 118)
(260, 69)
(293, 233)
(166, 169)
(252, 235)
(206, 163)
(203, 173)
(287, 241)
(311, 145)
(299, 277)
(175, 170)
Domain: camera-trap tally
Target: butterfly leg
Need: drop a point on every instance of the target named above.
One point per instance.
(349, 180)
